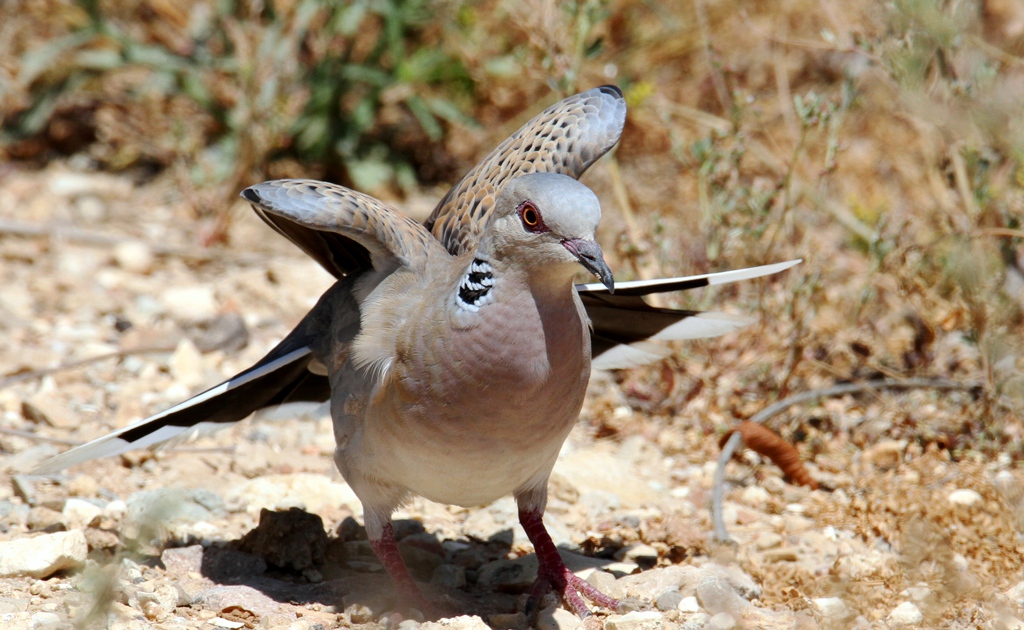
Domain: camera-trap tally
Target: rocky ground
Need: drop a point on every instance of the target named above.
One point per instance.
(253, 527)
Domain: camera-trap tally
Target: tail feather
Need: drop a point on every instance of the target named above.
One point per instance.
(282, 376)
(623, 325)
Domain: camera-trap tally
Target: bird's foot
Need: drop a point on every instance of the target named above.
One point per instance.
(554, 575)
(409, 595)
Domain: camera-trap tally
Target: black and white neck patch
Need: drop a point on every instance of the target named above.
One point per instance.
(475, 288)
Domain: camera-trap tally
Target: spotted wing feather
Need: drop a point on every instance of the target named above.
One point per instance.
(566, 138)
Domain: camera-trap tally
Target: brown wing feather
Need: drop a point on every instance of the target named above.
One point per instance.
(565, 138)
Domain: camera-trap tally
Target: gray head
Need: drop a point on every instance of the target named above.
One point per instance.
(548, 219)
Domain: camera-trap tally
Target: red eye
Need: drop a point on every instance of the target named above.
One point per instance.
(531, 218)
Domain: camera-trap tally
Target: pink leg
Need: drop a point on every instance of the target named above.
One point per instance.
(552, 572)
(386, 548)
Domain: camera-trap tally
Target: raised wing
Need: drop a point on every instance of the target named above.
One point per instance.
(566, 138)
(386, 236)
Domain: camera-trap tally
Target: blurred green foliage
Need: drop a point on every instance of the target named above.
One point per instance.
(329, 83)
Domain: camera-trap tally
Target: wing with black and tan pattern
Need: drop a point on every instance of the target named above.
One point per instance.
(565, 138)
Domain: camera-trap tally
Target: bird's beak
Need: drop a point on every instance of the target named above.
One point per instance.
(592, 258)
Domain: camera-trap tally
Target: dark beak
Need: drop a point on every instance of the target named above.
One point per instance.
(592, 258)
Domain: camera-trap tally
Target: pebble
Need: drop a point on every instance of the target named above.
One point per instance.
(44, 409)
(721, 621)
(79, 514)
(134, 256)
(965, 498)
(688, 605)
(767, 540)
(464, 622)
(754, 496)
(293, 540)
(186, 364)
(557, 618)
(637, 620)
(44, 519)
(649, 584)
(669, 600)
(509, 621)
(1016, 593)
(314, 493)
(884, 454)
(641, 554)
(190, 303)
(46, 621)
(906, 614)
(831, 608)
(450, 576)
(42, 556)
(607, 584)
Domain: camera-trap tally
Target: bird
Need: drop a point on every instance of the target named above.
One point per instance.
(455, 354)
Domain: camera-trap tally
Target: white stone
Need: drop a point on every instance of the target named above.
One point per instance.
(465, 622)
(42, 556)
(965, 497)
(221, 622)
(1016, 593)
(134, 256)
(832, 608)
(186, 364)
(637, 620)
(557, 618)
(315, 493)
(754, 496)
(721, 621)
(688, 605)
(79, 513)
(46, 621)
(190, 303)
(906, 614)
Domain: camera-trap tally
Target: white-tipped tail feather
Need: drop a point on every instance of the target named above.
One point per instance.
(662, 285)
(116, 443)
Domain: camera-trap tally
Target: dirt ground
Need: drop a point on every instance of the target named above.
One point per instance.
(756, 134)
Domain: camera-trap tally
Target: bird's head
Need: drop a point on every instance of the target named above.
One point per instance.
(549, 219)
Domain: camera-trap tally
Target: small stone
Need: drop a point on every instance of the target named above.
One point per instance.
(83, 486)
(643, 555)
(186, 364)
(607, 584)
(965, 498)
(688, 605)
(669, 600)
(221, 622)
(557, 618)
(43, 519)
(449, 576)
(508, 621)
(768, 540)
(721, 621)
(649, 584)
(831, 608)
(637, 620)
(79, 514)
(464, 622)
(134, 256)
(754, 496)
(315, 493)
(46, 621)
(44, 409)
(11, 605)
(190, 303)
(885, 454)
(101, 538)
(906, 614)
(918, 592)
(292, 539)
(42, 556)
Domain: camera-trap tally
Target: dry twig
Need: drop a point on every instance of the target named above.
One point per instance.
(730, 446)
